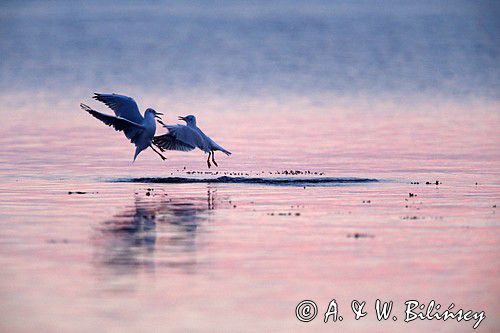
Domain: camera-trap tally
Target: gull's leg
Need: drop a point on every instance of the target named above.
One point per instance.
(208, 159)
(213, 158)
(156, 151)
(159, 147)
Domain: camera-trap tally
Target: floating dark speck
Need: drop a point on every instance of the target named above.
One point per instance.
(359, 235)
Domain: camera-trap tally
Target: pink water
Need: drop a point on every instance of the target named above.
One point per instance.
(240, 257)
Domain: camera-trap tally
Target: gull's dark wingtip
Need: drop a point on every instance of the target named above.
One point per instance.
(85, 107)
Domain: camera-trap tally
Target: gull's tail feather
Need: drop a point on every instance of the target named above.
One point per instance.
(219, 148)
(225, 151)
(137, 151)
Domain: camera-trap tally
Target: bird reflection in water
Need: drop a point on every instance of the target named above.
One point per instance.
(159, 230)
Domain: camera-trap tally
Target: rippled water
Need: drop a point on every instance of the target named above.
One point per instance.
(290, 181)
(365, 165)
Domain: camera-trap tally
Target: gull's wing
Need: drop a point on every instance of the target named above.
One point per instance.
(123, 106)
(169, 142)
(188, 136)
(131, 129)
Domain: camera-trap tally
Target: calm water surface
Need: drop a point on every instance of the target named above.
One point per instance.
(128, 255)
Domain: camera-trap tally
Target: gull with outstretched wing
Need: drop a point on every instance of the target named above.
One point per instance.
(186, 138)
(127, 119)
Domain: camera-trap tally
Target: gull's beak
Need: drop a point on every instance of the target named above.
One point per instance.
(181, 118)
(158, 114)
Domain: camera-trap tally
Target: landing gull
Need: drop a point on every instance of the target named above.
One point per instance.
(186, 138)
(138, 129)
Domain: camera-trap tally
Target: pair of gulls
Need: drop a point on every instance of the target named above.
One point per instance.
(141, 130)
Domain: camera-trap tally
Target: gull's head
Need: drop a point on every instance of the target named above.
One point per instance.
(154, 113)
(190, 120)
